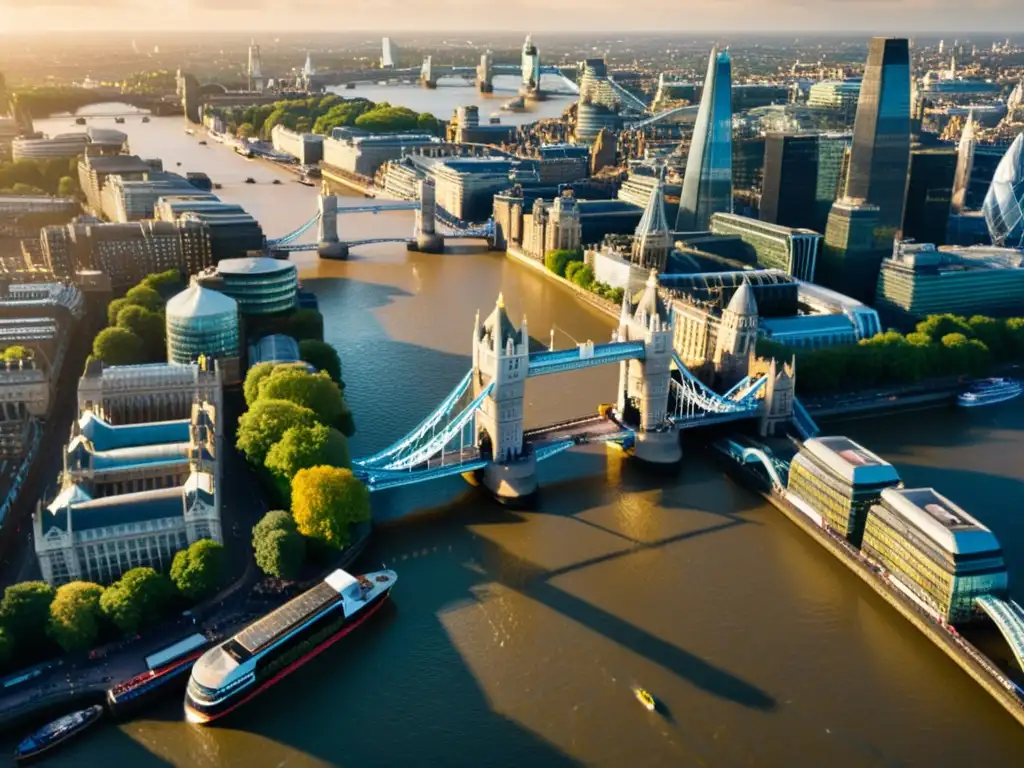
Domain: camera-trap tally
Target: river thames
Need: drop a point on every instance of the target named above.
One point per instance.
(514, 638)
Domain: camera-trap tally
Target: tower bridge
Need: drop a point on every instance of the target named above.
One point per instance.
(433, 225)
(478, 428)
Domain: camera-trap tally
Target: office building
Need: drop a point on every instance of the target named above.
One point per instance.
(203, 325)
(934, 552)
(880, 154)
(63, 145)
(134, 394)
(852, 253)
(232, 235)
(559, 163)
(307, 148)
(707, 182)
(819, 300)
(1004, 203)
(840, 480)
(638, 188)
(551, 226)
(964, 167)
(466, 185)
(124, 200)
(802, 173)
(260, 285)
(363, 154)
(127, 252)
(920, 279)
(929, 195)
(98, 535)
(592, 119)
(838, 95)
(794, 251)
(94, 170)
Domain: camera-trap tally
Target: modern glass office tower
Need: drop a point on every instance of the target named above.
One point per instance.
(929, 195)
(880, 156)
(802, 172)
(707, 183)
(840, 480)
(933, 551)
(1004, 203)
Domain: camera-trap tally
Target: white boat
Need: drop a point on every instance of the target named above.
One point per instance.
(990, 392)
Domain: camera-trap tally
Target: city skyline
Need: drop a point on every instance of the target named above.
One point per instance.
(781, 16)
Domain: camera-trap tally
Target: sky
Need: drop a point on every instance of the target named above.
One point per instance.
(908, 16)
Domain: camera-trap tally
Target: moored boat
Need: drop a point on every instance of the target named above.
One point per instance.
(57, 732)
(274, 646)
(990, 392)
(168, 670)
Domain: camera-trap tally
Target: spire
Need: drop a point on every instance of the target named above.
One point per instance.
(501, 300)
(654, 219)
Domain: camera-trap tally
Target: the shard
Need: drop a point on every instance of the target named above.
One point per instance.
(1004, 202)
(707, 183)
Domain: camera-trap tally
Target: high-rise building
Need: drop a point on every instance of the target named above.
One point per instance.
(802, 173)
(707, 183)
(929, 193)
(1004, 203)
(880, 156)
(852, 253)
(964, 166)
(794, 251)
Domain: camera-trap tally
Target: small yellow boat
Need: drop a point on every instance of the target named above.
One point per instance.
(645, 698)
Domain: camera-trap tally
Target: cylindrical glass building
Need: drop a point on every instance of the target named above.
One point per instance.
(201, 322)
(260, 285)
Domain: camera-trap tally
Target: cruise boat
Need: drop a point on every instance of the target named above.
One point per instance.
(57, 732)
(235, 671)
(168, 669)
(989, 392)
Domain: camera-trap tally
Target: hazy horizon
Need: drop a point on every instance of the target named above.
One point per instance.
(687, 17)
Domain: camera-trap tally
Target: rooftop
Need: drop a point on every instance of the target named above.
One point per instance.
(851, 461)
(254, 265)
(196, 301)
(940, 520)
(107, 437)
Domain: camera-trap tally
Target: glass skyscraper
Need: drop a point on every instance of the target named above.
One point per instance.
(880, 156)
(802, 172)
(707, 183)
(1004, 203)
(929, 195)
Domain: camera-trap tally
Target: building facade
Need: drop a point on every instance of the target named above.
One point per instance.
(929, 195)
(707, 182)
(1004, 203)
(134, 394)
(260, 285)
(363, 154)
(652, 241)
(794, 251)
(840, 480)
(852, 252)
(802, 173)
(307, 148)
(934, 552)
(203, 325)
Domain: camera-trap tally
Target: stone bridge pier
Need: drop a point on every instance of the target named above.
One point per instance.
(485, 74)
(427, 73)
(501, 358)
(428, 239)
(329, 246)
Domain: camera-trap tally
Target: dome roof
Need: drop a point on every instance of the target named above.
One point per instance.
(1004, 202)
(196, 301)
(254, 265)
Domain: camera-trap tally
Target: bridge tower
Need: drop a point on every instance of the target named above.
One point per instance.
(779, 392)
(644, 384)
(501, 355)
(427, 73)
(531, 69)
(485, 74)
(427, 238)
(330, 247)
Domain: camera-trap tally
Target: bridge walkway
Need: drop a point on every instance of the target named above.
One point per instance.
(1009, 618)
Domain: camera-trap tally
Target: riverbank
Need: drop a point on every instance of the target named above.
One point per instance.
(972, 661)
(607, 307)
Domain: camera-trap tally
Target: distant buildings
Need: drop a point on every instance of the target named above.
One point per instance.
(853, 249)
(127, 252)
(929, 195)
(794, 251)
(307, 148)
(840, 95)
(707, 183)
(203, 325)
(919, 279)
(260, 285)
(802, 174)
(363, 154)
(552, 226)
(466, 185)
(95, 141)
(94, 171)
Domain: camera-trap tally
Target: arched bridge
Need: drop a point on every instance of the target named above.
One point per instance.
(1009, 618)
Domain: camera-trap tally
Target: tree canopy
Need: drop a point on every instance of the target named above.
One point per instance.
(326, 501)
(15, 352)
(266, 422)
(6, 647)
(137, 600)
(304, 447)
(117, 346)
(323, 357)
(25, 612)
(199, 571)
(75, 615)
(558, 261)
(315, 391)
(149, 327)
(278, 545)
(256, 374)
(146, 297)
(165, 283)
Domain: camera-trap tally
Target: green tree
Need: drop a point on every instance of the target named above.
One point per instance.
(15, 352)
(165, 283)
(256, 374)
(25, 612)
(323, 357)
(137, 600)
(315, 391)
(992, 333)
(67, 187)
(583, 276)
(326, 501)
(75, 615)
(114, 309)
(304, 447)
(937, 326)
(266, 422)
(198, 571)
(278, 546)
(117, 346)
(1014, 334)
(149, 327)
(245, 130)
(558, 261)
(144, 296)
(304, 324)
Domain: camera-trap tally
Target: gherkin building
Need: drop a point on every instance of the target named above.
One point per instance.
(1004, 203)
